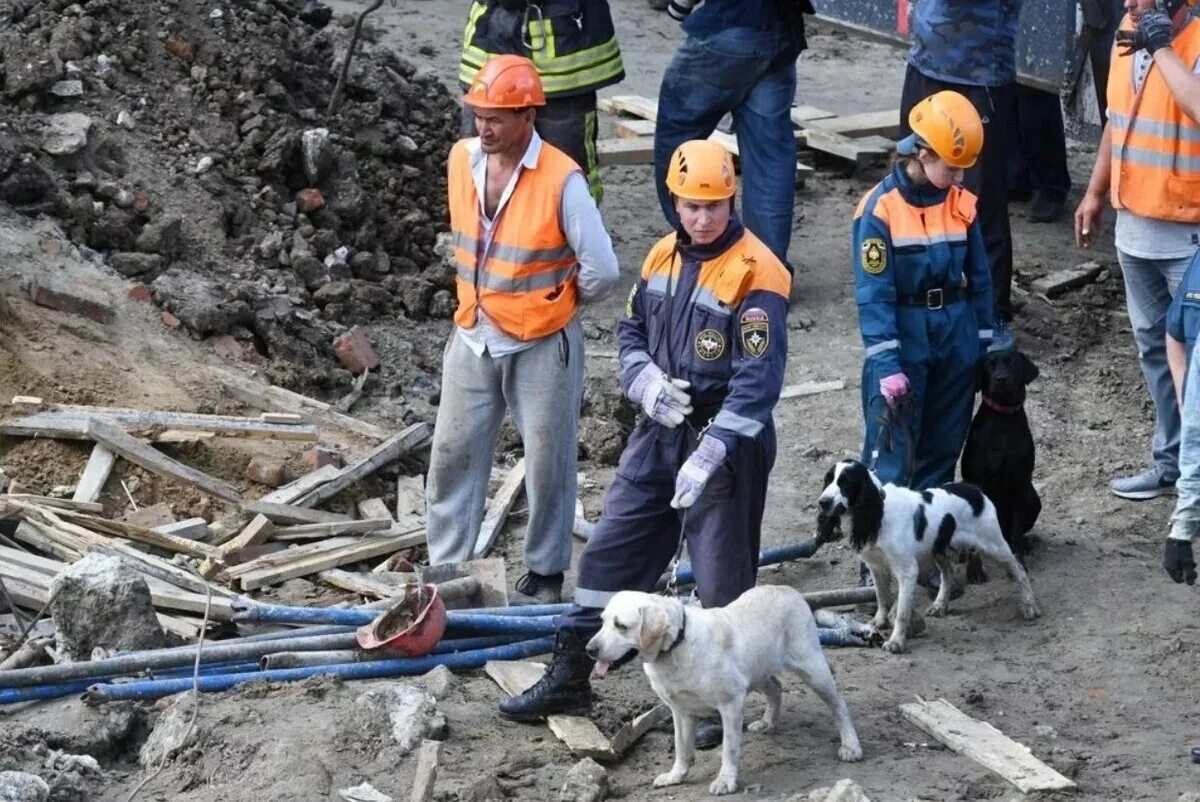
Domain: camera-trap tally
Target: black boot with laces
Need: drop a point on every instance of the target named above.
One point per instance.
(535, 588)
(563, 689)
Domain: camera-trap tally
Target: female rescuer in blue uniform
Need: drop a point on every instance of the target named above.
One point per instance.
(703, 345)
(924, 297)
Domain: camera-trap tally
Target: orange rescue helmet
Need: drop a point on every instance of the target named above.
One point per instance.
(701, 170)
(948, 124)
(506, 82)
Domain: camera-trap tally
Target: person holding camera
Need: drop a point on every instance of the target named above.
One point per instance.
(740, 58)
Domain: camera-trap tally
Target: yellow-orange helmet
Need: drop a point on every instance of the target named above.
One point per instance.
(506, 82)
(948, 124)
(701, 170)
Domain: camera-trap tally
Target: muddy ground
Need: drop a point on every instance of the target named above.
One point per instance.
(1101, 687)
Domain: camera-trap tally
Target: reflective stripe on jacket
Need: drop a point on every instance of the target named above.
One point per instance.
(525, 283)
(571, 42)
(1155, 145)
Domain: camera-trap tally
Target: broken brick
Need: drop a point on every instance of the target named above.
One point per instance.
(319, 456)
(170, 321)
(227, 346)
(354, 351)
(180, 49)
(141, 292)
(309, 200)
(265, 471)
(70, 297)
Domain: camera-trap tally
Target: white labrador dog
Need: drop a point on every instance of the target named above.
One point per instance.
(702, 660)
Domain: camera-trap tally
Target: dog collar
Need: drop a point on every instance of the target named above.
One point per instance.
(682, 628)
(1001, 408)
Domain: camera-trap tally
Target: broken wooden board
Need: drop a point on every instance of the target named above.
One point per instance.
(580, 735)
(811, 388)
(381, 585)
(322, 559)
(291, 515)
(1061, 281)
(870, 123)
(632, 732)
(58, 503)
(498, 509)
(120, 529)
(625, 151)
(297, 488)
(626, 128)
(267, 397)
(986, 745)
(259, 530)
(95, 474)
(311, 531)
(71, 423)
(142, 454)
(413, 438)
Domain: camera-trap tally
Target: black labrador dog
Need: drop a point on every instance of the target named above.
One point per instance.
(999, 454)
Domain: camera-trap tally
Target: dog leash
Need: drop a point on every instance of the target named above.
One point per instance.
(889, 421)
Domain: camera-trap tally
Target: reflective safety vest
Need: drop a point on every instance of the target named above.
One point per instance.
(525, 283)
(571, 42)
(1155, 145)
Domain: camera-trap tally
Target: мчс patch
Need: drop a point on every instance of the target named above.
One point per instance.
(756, 333)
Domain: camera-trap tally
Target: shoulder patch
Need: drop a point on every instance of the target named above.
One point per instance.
(756, 331)
(874, 255)
(629, 300)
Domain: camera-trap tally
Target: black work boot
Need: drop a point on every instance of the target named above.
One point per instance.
(564, 688)
(709, 733)
(535, 588)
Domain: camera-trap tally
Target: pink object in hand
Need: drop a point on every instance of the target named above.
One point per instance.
(894, 388)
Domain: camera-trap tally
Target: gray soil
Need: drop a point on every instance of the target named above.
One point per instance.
(1099, 688)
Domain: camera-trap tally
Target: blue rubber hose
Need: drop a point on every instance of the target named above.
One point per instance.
(455, 621)
(770, 556)
(402, 667)
(10, 696)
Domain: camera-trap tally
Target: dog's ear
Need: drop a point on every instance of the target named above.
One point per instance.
(652, 630)
(1029, 371)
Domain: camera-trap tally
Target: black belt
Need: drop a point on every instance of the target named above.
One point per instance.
(935, 298)
(702, 415)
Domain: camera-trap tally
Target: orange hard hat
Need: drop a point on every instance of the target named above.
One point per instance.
(701, 170)
(506, 82)
(948, 124)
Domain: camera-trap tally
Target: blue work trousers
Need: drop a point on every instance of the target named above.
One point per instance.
(750, 73)
(639, 532)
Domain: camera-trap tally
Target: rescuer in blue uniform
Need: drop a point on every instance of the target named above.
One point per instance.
(703, 345)
(1183, 326)
(924, 297)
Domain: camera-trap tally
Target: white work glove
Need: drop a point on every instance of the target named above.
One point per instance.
(696, 472)
(664, 399)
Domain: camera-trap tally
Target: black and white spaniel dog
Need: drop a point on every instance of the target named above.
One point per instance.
(897, 531)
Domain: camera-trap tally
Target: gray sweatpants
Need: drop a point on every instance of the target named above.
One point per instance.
(542, 386)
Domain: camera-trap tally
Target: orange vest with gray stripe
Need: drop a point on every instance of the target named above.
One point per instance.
(1155, 145)
(525, 283)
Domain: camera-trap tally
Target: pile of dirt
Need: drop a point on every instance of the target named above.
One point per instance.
(189, 144)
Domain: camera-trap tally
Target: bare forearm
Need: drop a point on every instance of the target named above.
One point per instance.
(1177, 357)
(1102, 170)
(1183, 83)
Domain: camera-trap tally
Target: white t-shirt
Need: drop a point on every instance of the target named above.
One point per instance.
(1146, 237)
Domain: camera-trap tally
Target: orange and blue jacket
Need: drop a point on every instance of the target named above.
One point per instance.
(716, 316)
(908, 240)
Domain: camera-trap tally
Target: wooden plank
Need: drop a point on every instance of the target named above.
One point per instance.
(267, 397)
(579, 734)
(411, 439)
(843, 147)
(1061, 281)
(427, 771)
(635, 106)
(310, 531)
(291, 554)
(625, 151)
(381, 585)
(142, 454)
(186, 628)
(884, 123)
(70, 422)
(95, 474)
(365, 549)
(811, 388)
(297, 488)
(986, 745)
(499, 508)
(632, 129)
(58, 503)
(192, 529)
(290, 515)
(374, 508)
(803, 115)
(259, 530)
(281, 417)
(166, 542)
(31, 533)
(27, 401)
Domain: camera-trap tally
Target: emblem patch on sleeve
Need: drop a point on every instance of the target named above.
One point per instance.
(629, 300)
(756, 332)
(874, 256)
(710, 344)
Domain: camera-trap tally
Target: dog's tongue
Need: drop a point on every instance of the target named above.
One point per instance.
(601, 668)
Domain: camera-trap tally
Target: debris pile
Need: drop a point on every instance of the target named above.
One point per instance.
(189, 145)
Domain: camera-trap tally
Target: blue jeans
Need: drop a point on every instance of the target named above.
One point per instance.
(1149, 286)
(1185, 522)
(751, 73)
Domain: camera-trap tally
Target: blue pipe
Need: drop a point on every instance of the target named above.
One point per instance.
(10, 696)
(492, 624)
(375, 669)
(771, 556)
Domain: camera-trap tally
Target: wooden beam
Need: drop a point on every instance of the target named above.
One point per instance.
(166, 542)
(58, 503)
(839, 145)
(259, 530)
(70, 422)
(499, 508)
(298, 487)
(1061, 281)
(142, 454)
(310, 531)
(364, 549)
(625, 151)
(411, 439)
(267, 397)
(382, 585)
(95, 474)
(290, 418)
(986, 745)
(291, 554)
(289, 514)
(884, 123)
(626, 128)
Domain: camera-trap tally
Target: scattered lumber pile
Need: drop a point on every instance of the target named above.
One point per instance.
(854, 138)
